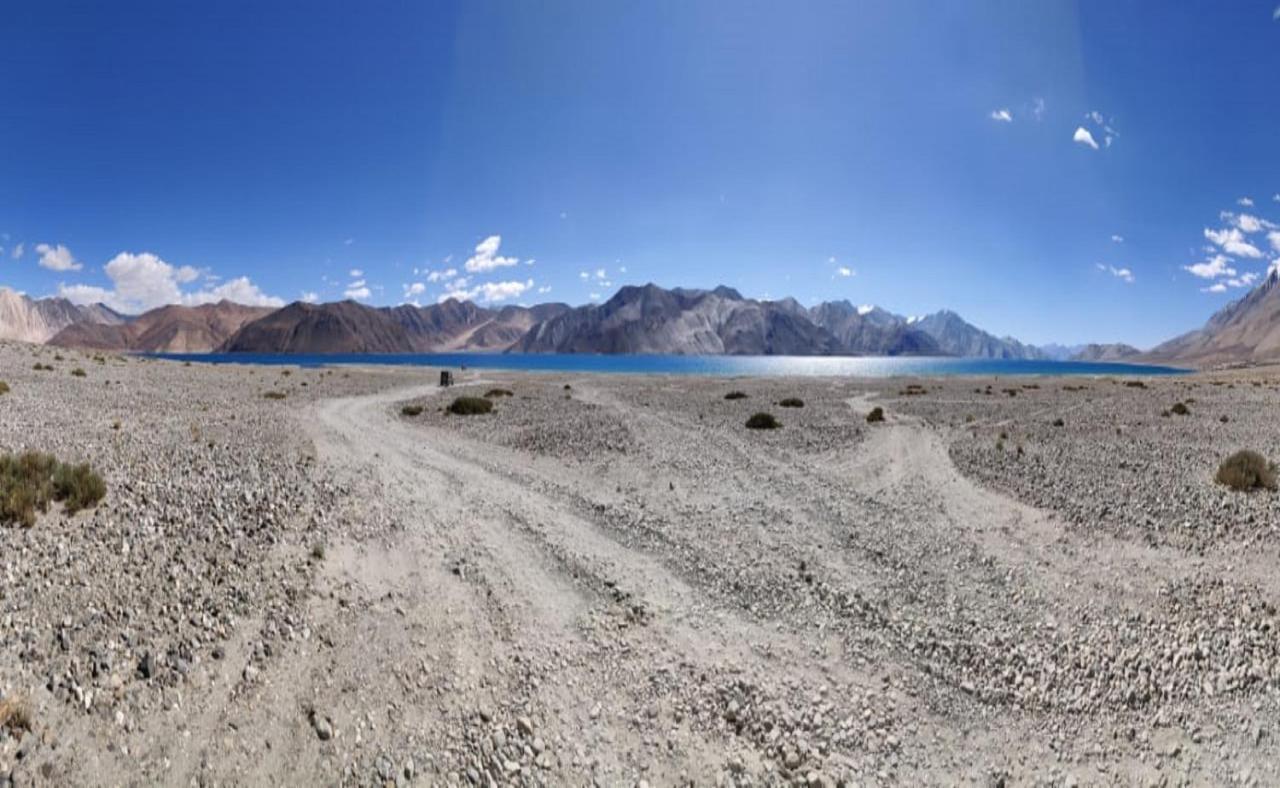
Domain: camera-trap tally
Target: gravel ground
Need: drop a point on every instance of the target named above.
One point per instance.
(611, 580)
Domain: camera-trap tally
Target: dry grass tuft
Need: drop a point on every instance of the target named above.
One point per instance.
(1247, 470)
(470, 406)
(16, 714)
(763, 421)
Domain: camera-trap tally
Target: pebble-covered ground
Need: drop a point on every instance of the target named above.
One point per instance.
(611, 580)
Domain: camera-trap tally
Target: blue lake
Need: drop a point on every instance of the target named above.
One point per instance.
(851, 366)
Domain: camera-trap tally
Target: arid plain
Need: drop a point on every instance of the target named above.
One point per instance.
(608, 579)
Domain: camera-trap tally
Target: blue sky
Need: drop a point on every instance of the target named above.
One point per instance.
(180, 151)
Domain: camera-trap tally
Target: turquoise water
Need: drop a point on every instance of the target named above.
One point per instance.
(852, 366)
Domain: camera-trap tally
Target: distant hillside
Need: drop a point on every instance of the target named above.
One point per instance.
(350, 327)
(1116, 351)
(38, 320)
(650, 319)
(1246, 331)
(873, 331)
(167, 329)
(956, 337)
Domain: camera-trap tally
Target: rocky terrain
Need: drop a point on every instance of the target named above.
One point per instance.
(610, 580)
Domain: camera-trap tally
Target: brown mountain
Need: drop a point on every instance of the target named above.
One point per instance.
(1246, 331)
(168, 329)
(349, 327)
(37, 320)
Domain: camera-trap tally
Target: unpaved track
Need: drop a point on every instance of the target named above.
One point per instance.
(638, 645)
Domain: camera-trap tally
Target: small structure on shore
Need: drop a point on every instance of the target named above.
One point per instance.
(446, 378)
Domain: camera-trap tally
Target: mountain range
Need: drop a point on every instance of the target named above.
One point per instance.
(637, 319)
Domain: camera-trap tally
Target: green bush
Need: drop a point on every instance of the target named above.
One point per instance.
(791, 402)
(736, 395)
(1180, 408)
(1247, 470)
(4, 387)
(274, 395)
(763, 421)
(876, 415)
(411, 410)
(495, 393)
(30, 481)
(470, 406)
(78, 372)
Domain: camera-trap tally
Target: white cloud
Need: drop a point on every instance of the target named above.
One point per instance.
(1214, 267)
(144, 281)
(1217, 288)
(414, 288)
(1247, 222)
(1245, 201)
(16, 254)
(1038, 108)
(486, 292)
(239, 290)
(57, 258)
(1002, 115)
(356, 273)
(583, 275)
(348, 242)
(593, 296)
(309, 296)
(1123, 274)
(844, 270)
(1244, 280)
(1083, 137)
(357, 292)
(1275, 15)
(1274, 238)
(544, 289)
(622, 269)
(600, 273)
(487, 258)
(1119, 239)
(437, 276)
(186, 274)
(1232, 242)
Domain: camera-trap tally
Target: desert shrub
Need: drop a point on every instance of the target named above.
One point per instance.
(736, 395)
(58, 357)
(1180, 408)
(43, 367)
(274, 395)
(791, 402)
(1135, 384)
(411, 410)
(567, 387)
(1058, 422)
(317, 551)
(4, 387)
(78, 372)
(763, 421)
(77, 486)
(470, 406)
(15, 714)
(876, 414)
(1223, 419)
(1004, 435)
(495, 393)
(30, 481)
(1247, 470)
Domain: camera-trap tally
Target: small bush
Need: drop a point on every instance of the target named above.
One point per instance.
(876, 415)
(15, 714)
(4, 387)
(78, 372)
(791, 402)
(274, 395)
(43, 367)
(1223, 419)
(411, 410)
(317, 551)
(470, 406)
(30, 481)
(495, 393)
(77, 486)
(1135, 384)
(1247, 470)
(763, 421)
(1180, 409)
(736, 395)
(1058, 423)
